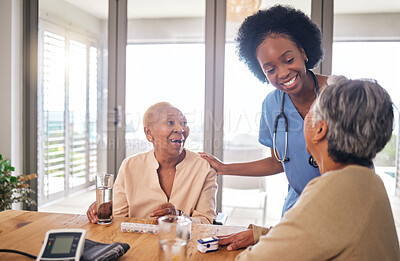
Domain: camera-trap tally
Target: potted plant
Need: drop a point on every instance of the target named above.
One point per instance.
(13, 189)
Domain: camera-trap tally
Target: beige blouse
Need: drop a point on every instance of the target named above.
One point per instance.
(342, 215)
(137, 190)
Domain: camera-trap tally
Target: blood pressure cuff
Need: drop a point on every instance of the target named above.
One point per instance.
(95, 251)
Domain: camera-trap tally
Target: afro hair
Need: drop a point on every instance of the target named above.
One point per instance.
(283, 20)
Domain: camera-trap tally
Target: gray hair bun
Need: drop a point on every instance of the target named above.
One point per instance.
(336, 79)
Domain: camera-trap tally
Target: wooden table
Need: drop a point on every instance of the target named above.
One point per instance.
(25, 231)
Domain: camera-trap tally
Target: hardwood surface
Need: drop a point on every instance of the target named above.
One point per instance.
(25, 231)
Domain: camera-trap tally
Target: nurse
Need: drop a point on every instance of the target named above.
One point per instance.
(281, 46)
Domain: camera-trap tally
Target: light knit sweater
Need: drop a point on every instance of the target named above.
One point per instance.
(342, 215)
(137, 190)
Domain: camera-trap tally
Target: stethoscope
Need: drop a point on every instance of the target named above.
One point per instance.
(282, 115)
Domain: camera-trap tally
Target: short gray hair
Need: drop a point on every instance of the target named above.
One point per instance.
(359, 115)
(152, 114)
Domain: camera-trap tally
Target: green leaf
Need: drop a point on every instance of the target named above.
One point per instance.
(6, 179)
(11, 190)
(14, 179)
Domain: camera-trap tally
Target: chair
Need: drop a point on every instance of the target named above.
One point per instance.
(244, 147)
(251, 187)
(220, 219)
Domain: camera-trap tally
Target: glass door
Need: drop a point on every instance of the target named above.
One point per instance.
(70, 96)
(164, 62)
(362, 51)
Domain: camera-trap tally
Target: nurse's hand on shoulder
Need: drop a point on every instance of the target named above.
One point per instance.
(238, 240)
(214, 162)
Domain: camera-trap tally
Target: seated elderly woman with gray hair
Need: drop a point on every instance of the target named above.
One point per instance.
(167, 180)
(345, 213)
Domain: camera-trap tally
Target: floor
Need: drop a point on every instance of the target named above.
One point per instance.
(77, 203)
(241, 214)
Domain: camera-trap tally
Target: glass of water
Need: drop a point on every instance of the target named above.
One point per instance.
(104, 194)
(173, 235)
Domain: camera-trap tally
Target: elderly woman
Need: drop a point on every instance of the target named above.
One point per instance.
(167, 180)
(345, 214)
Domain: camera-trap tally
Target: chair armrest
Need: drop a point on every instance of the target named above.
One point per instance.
(221, 219)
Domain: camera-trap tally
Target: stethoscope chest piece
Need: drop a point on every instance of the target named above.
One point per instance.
(312, 162)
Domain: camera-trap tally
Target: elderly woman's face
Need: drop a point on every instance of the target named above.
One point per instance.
(169, 133)
(283, 63)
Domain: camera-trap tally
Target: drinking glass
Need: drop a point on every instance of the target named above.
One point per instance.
(173, 236)
(104, 194)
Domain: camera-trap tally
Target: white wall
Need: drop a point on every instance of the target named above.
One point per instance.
(346, 27)
(166, 30)
(70, 17)
(10, 80)
(5, 77)
(367, 26)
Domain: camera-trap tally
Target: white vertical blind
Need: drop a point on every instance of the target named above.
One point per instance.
(53, 113)
(92, 113)
(77, 99)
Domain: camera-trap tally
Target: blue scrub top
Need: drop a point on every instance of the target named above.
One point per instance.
(298, 170)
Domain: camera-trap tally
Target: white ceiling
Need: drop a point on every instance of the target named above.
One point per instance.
(196, 8)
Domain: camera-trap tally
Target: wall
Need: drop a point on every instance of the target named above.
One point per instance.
(67, 15)
(346, 27)
(367, 26)
(10, 81)
(166, 30)
(5, 77)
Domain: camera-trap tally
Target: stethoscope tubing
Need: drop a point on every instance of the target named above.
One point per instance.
(281, 114)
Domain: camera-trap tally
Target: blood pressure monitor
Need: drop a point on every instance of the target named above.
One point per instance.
(62, 244)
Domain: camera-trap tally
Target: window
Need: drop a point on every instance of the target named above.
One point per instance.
(355, 59)
(67, 112)
(177, 78)
(165, 62)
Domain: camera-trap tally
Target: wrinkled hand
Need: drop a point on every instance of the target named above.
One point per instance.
(164, 209)
(214, 162)
(104, 211)
(237, 240)
(92, 213)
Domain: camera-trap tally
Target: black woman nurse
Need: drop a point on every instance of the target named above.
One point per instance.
(280, 46)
